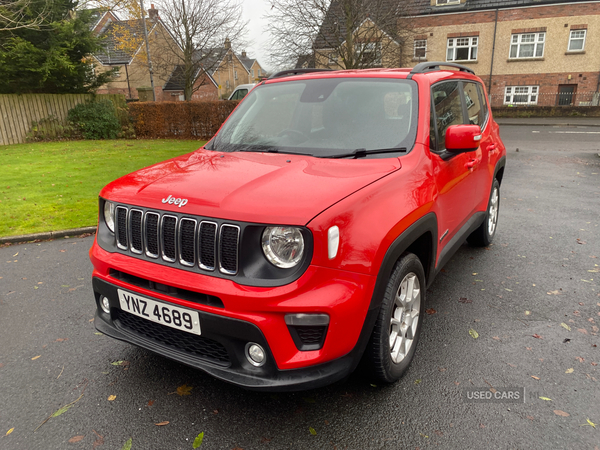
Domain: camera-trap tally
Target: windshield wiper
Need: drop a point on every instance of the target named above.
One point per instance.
(361, 152)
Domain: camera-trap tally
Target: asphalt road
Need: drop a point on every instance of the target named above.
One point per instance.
(533, 298)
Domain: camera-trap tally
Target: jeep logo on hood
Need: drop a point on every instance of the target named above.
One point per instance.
(175, 201)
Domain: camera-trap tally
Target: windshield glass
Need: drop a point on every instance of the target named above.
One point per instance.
(323, 117)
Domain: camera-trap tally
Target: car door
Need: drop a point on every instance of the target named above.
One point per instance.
(454, 174)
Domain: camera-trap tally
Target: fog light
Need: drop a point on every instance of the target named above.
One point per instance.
(105, 304)
(255, 354)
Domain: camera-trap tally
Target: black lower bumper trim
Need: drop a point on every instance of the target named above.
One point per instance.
(228, 334)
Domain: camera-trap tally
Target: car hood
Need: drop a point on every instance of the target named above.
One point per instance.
(250, 187)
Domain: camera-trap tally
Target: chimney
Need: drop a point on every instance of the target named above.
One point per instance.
(227, 44)
(153, 13)
(244, 54)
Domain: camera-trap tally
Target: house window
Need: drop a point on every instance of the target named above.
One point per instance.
(235, 74)
(447, 2)
(462, 49)
(521, 95)
(369, 53)
(252, 73)
(420, 48)
(333, 59)
(227, 84)
(259, 73)
(527, 45)
(576, 40)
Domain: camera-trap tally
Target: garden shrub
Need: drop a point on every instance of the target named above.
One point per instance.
(96, 120)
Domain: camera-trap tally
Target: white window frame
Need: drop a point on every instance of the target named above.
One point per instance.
(367, 48)
(333, 59)
(422, 45)
(472, 43)
(235, 74)
(577, 37)
(447, 2)
(531, 92)
(520, 40)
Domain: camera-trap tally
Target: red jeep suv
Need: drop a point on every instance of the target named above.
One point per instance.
(302, 238)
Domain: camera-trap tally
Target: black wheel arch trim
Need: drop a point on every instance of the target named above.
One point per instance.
(426, 224)
(499, 165)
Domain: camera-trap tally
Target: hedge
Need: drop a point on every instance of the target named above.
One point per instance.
(179, 120)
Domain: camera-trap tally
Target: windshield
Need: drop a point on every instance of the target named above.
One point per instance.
(323, 117)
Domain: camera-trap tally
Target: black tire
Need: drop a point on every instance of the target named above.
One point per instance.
(484, 235)
(381, 363)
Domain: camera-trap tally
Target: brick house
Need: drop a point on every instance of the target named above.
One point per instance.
(124, 49)
(228, 69)
(528, 52)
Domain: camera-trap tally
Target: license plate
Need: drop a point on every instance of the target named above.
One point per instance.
(183, 319)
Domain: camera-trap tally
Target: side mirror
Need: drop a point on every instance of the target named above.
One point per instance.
(462, 138)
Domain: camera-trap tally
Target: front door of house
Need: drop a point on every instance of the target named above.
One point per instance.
(566, 94)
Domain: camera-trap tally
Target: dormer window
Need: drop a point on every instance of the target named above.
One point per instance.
(447, 2)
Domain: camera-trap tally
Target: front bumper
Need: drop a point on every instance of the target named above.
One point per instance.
(246, 315)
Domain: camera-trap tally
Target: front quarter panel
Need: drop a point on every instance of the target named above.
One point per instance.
(372, 218)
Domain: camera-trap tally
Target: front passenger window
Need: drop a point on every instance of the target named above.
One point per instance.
(448, 108)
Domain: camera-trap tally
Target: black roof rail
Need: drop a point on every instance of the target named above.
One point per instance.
(284, 73)
(435, 65)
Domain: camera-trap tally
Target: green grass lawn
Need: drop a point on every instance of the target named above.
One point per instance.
(54, 186)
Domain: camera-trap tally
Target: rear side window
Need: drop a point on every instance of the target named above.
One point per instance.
(448, 108)
(484, 104)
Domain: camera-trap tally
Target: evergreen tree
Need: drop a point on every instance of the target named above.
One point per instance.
(55, 57)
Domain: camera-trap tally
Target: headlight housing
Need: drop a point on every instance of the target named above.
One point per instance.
(283, 246)
(109, 215)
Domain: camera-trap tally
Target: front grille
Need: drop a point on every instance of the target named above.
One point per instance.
(184, 241)
(191, 344)
(311, 335)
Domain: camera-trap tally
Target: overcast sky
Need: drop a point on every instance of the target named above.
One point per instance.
(254, 10)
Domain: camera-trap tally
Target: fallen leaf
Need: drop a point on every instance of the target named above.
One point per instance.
(430, 311)
(61, 340)
(569, 370)
(76, 439)
(160, 424)
(511, 365)
(527, 313)
(35, 357)
(98, 442)
(537, 336)
(565, 326)
(184, 390)
(417, 381)
(473, 333)
(534, 377)
(580, 359)
(546, 399)
(198, 440)
(15, 254)
(312, 431)
(558, 412)
(127, 445)
(589, 423)
(150, 403)
(99, 334)
(566, 341)
(10, 431)
(531, 417)
(553, 293)
(496, 338)
(582, 330)
(116, 363)
(464, 300)
(438, 432)
(111, 398)
(594, 364)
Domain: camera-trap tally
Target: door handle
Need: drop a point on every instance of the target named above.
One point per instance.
(471, 164)
(492, 148)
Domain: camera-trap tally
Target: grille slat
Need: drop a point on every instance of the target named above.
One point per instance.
(228, 249)
(208, 240)
(122, 227)
(186, 241)
(152, 234)
(168, 230)
(135, 224)
(187, 234)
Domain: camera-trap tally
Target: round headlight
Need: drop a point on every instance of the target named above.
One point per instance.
(283, 246)
(109, 215)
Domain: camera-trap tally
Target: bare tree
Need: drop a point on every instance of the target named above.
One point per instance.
(17, 14)
(198, 29)
(341, 34)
